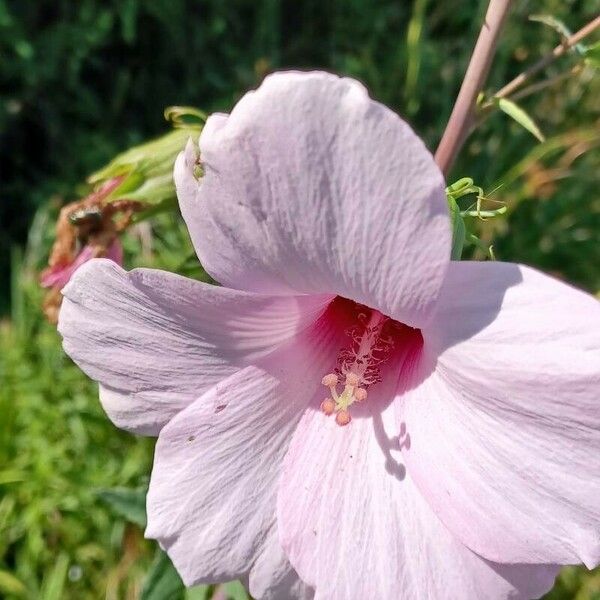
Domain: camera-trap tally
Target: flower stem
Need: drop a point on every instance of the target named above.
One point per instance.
(519, 80)
(534, 88)
(486, 109)
(481, 60)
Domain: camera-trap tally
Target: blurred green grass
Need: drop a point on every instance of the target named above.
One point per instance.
(84, 80)
(57, 450)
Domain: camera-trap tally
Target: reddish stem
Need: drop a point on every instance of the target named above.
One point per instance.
(510, 87)
(479, 66)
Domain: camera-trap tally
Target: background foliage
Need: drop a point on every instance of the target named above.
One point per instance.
(80, 81)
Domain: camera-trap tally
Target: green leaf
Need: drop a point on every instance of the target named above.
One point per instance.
(127, 503)
(128, 14)
(553, 23)
(458, 229)
(235, 591)
(12, 476)
(514, 111)
(559, 27)
(200, 592)
(9, 584)
(163, 582)
(592, 55)
(54, 583)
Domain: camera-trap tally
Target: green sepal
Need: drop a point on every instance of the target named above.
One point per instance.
(147, 169)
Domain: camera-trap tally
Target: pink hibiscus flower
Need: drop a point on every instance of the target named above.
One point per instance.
(352, 415)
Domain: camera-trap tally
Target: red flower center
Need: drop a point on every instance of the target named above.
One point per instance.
(373, 338)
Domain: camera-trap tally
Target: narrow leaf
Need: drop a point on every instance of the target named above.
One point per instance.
(514, 111)
(162, 581)
(12, 476)
(559, 27)
(10, 585)
(235, 591)
(553, 23)
(592, 55)
(200, 592)
(127, 503)
(53, 586)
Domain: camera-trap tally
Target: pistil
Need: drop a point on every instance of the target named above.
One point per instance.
(358, 365)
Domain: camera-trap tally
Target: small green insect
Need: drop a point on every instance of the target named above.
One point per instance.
(465, 187)
(460, 234)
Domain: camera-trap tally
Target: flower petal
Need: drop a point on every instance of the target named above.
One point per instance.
(354, 525)
(505, 434)
(156, 341)
(211, 502)
(311, 186)
(272, 577)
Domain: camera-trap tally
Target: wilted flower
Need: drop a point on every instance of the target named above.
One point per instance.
(352, 415)
(85, 229)
(137, 179)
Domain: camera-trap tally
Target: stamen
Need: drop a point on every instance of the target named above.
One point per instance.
(330, 380)
(360, 394)
(352, 379)
(358, 364)
(343, 418)
(328, 406)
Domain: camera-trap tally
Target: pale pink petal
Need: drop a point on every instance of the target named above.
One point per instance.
(311, 186)
(272, 577)
(505, 434)
(211, 502)
(156, 341)
(354, 525)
